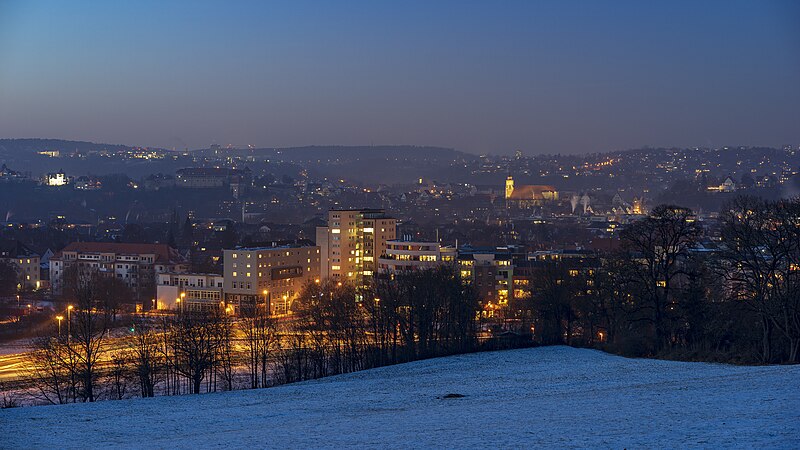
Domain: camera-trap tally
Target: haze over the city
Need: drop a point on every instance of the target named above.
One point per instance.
(367, 224)
(542, 77)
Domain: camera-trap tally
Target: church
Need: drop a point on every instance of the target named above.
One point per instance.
(528, 195)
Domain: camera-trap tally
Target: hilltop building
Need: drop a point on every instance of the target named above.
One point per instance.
(727, 186)
(212, 177)
(57, 179)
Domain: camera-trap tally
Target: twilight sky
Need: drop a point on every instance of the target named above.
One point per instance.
(539, 76)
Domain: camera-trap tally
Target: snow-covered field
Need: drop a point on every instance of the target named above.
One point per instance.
(551, 397)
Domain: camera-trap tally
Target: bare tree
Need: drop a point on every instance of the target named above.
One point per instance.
(53, 369)
(119, 375)
(224, 358)
(260, 338)
(195, 340)
(147, 358)
(761, 264)
(88, 324)
(656, 246)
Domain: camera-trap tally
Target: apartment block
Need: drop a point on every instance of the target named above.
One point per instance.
(269, 276)
(353, 241)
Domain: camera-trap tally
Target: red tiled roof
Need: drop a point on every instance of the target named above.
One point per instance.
(530, 191)
(604, 244)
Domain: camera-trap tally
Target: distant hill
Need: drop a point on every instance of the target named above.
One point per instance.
(18, 148)
(23, 155)
(332, 153)
(372, 164)
(383, 163)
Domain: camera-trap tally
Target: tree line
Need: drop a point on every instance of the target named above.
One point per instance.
(337, 328)
(677, 289)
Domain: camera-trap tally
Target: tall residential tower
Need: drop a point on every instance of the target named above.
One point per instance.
(353, 241)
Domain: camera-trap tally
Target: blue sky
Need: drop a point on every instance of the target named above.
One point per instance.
(540, 76)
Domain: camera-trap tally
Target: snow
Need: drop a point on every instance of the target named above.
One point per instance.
(546, 397)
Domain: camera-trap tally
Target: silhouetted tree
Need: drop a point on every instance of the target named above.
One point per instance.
(656, 246)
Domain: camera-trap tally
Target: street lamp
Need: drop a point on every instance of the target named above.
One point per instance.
(59, 319)
(178, 303)
(69, 322)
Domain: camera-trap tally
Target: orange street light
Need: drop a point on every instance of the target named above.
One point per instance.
(59, 319)
(69, 322)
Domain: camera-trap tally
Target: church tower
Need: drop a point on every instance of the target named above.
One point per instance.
(509, 187)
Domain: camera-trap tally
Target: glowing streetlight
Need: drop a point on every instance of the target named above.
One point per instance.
(69, 322)
(59, 319)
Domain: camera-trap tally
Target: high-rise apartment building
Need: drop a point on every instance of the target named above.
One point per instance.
(353, 241)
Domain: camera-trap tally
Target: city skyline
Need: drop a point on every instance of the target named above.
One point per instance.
(544, 77)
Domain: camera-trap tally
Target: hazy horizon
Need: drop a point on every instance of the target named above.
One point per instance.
(541, 77)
